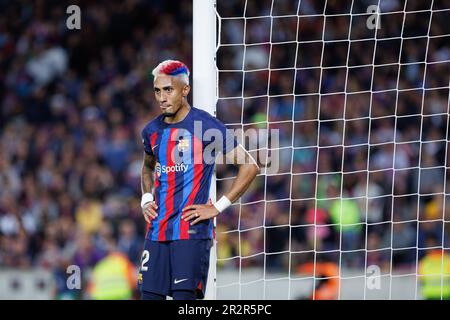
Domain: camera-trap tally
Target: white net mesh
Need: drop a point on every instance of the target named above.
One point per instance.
(361, 106)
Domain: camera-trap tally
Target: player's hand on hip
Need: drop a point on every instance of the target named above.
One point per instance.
(149, 211)
(199, 212)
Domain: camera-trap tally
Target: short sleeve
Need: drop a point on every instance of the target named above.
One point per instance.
(146, 142)
(229, 141)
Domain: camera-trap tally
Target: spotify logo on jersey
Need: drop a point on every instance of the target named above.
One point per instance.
(168, 169)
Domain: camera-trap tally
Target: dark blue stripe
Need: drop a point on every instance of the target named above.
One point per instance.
(187, 182)
(205, 183)
(202, 197)
(178, 188)
(162, 154)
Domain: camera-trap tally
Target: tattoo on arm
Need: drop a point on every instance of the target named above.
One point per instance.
(148, 165)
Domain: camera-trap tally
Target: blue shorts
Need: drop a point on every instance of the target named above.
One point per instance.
(175, 265)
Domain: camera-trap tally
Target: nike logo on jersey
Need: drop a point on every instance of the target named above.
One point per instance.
(155, 146)
(178, 281)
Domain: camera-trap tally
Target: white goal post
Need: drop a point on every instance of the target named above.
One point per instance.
(204, 77)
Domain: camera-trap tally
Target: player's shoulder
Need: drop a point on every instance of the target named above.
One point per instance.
(206, 118)
(152, 125)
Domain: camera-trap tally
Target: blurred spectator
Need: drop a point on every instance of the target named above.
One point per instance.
(327, 279)
(346, 219)
(113, 277)
(434, 271)
(321, 233)
(128, 241)
(89, 215)
(86, 254)
(103, 237)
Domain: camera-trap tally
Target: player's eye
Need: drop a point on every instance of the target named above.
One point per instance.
(169, 90)
(157, 91)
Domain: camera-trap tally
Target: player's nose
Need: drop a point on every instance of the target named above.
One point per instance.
(163, 98)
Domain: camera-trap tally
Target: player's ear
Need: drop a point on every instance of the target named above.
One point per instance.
(186, 90)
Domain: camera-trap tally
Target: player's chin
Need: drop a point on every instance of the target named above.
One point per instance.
(168, 114)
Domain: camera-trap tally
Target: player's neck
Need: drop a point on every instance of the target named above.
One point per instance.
(180, 115)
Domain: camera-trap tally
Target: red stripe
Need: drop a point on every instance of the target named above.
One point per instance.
(198, 172)
(153, 139)
(170, 185)
(147, 229)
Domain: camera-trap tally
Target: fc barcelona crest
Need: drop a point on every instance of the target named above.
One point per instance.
(183, 145)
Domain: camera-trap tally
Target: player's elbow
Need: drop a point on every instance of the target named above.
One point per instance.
(254, 170)
(249, 170)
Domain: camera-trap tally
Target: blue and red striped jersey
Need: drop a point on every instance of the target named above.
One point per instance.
(184, 153)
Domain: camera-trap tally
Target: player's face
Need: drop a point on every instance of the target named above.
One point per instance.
(170, 92)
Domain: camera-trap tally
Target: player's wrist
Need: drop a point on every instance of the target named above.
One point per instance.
(146, 198)
(222, 204)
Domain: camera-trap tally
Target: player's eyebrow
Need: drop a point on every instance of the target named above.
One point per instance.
(163, 88)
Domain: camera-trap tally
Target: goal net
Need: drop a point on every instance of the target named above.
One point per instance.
(345, 106)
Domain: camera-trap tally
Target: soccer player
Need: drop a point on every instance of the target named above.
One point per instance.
(180, 147)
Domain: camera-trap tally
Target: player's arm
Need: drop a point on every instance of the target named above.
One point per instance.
(248, 169)
(148, 205)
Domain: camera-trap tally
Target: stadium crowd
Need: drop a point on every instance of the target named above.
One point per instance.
(73, 103)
